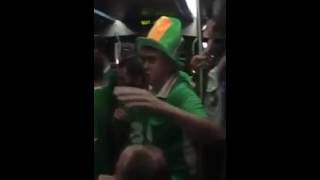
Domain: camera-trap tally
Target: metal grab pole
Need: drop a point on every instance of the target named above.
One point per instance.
(200, 49)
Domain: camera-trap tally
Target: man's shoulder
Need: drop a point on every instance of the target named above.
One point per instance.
(181, 92)
(108, 84)
(103, 91)
(184, 96)
(181, 89)
(183, 85)
(104, 96)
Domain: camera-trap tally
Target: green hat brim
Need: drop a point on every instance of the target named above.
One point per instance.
(142, 42)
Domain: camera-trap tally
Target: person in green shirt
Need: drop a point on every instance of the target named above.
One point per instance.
(104, 105)
(130, 72)
(111, 122)
(172, 115)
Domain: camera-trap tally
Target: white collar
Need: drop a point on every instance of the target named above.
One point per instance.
(167, 87)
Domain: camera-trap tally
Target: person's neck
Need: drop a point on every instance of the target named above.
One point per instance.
(160, 83)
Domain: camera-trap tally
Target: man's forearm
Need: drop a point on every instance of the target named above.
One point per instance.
(198, 128)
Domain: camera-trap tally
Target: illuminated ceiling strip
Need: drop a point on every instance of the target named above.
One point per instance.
(103, 15)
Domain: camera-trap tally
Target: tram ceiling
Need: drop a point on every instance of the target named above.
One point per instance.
(120, 9)
(107, 26)
(101, 20)
(140, 14)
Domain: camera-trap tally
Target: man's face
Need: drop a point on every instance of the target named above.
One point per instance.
(155, 65)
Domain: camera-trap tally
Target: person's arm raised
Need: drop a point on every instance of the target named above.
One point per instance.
(197, 128)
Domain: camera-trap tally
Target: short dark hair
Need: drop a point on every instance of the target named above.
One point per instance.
(133, 66)
(99, 61)
(134, 69)
(142, 162)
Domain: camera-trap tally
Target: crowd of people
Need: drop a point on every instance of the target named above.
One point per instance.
(149, 121)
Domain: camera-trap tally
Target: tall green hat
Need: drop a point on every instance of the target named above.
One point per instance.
(166, 36)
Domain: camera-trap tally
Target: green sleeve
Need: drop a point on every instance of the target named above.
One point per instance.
(193, 105)
(103, 113)
(184, 97)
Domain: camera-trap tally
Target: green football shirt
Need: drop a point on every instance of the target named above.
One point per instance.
(163, 132)
(104, 104)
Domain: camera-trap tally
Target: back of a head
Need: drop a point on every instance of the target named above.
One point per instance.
(134, 71)
(132, 65)
(140, 162)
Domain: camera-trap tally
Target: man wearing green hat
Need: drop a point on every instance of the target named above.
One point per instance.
(173, 112)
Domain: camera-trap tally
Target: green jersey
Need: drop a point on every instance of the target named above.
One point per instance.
(104, 103)
(163, 132)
